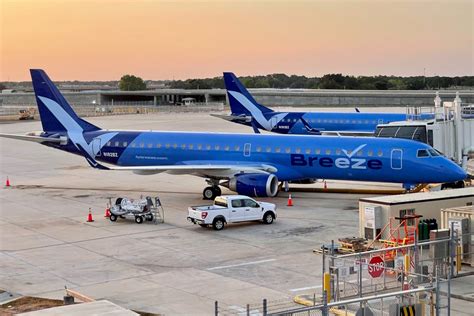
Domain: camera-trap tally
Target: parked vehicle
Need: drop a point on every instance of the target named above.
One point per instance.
(232, 209)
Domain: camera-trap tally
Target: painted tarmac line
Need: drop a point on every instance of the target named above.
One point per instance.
(317, 286)
(306, 288)
(241, 264)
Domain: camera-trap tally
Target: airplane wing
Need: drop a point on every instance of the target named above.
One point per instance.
(212, 169)
(30, 138)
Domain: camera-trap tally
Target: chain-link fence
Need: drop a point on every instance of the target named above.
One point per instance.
(413, 279)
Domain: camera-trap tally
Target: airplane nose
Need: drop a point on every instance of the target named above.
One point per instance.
(455, 172)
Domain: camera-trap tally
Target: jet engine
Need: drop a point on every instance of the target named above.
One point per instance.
(254, 184)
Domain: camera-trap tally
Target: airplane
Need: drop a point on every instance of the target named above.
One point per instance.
(245, 110)
(250, 164)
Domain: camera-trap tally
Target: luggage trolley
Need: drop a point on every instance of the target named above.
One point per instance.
(144, 209)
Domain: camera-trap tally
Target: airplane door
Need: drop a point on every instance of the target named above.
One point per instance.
(396, 159)
(247, 150)
(96, 147)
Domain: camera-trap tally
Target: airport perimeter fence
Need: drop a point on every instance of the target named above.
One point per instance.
(11, 112)
(392, 280)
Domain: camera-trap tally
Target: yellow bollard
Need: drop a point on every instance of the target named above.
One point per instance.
(407, 265)
(327, 285)
(458, 258)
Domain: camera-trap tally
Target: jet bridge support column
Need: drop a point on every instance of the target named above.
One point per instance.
(458, 137)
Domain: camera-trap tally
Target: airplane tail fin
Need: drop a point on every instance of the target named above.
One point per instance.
(240, 100)
(55, 112)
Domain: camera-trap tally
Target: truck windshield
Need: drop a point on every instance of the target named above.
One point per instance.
(220, 202)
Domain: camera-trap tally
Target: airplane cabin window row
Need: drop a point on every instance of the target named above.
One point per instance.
(332, 121)
(258, 149)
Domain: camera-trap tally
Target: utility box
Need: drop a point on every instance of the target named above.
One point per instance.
(373, 222)
(439, 251)
(463, 220)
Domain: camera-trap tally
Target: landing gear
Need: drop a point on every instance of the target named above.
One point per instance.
(210, 193)
(453, 185)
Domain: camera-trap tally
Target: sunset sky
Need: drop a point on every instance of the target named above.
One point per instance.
(104, 39)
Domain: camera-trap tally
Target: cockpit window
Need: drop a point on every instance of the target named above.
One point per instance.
(422, 153)
(433, 152)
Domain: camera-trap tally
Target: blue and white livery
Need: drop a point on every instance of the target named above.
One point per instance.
(250, 164)
(247, 111)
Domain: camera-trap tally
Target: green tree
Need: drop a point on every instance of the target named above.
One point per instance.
(131, 83)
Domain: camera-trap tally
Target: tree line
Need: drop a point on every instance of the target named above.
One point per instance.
(332, 81)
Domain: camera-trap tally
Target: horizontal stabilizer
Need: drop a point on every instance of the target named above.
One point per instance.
(36, 139)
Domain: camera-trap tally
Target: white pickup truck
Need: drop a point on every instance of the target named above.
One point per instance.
(232, 209)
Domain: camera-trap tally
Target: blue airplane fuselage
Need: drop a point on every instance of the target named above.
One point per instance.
(295, 157)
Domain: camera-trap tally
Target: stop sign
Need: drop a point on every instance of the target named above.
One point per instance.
(376, 267)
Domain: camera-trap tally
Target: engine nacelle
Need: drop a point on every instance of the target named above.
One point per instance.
(254, 184)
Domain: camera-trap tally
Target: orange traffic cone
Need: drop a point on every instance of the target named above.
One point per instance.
(290, 201)
(89, 217)
(7, 184)
(107, 211)
(325, 185)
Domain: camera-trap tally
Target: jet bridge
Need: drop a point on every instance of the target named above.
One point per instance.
(451, 132)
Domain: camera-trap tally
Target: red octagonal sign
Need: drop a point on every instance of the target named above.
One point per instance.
(376, 267)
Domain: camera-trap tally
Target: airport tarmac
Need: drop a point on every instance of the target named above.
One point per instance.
(171, 268)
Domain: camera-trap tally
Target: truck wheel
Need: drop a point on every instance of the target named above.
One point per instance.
(113, 217)
(203, 225)
(138, 219)
(218, 224)
(209, 193)
(268, 218)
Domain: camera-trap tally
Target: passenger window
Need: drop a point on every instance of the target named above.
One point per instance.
(117, 144)
(142, 145)
(133, 145)
(259, 149)
(317, 151)
(278, 149)
(125, 144)
(298, 150)
(167, 145)
(269, 149)
(158, 145)
(370, 153)
(237, 203)
(150, 145)
(226, 148)
(183, 146)
(217, 147)
(109, 143)
(328, 151)
(287, 150)
(319, 120)
(380, 153)
(338, 151)
(308, 151)
(250, 203)
(360, 153)
(237, 148)
(175, 146)
(191, 146)
(208, 147)
(199, 147)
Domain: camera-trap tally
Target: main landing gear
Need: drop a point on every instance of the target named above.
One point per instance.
(210, 192)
